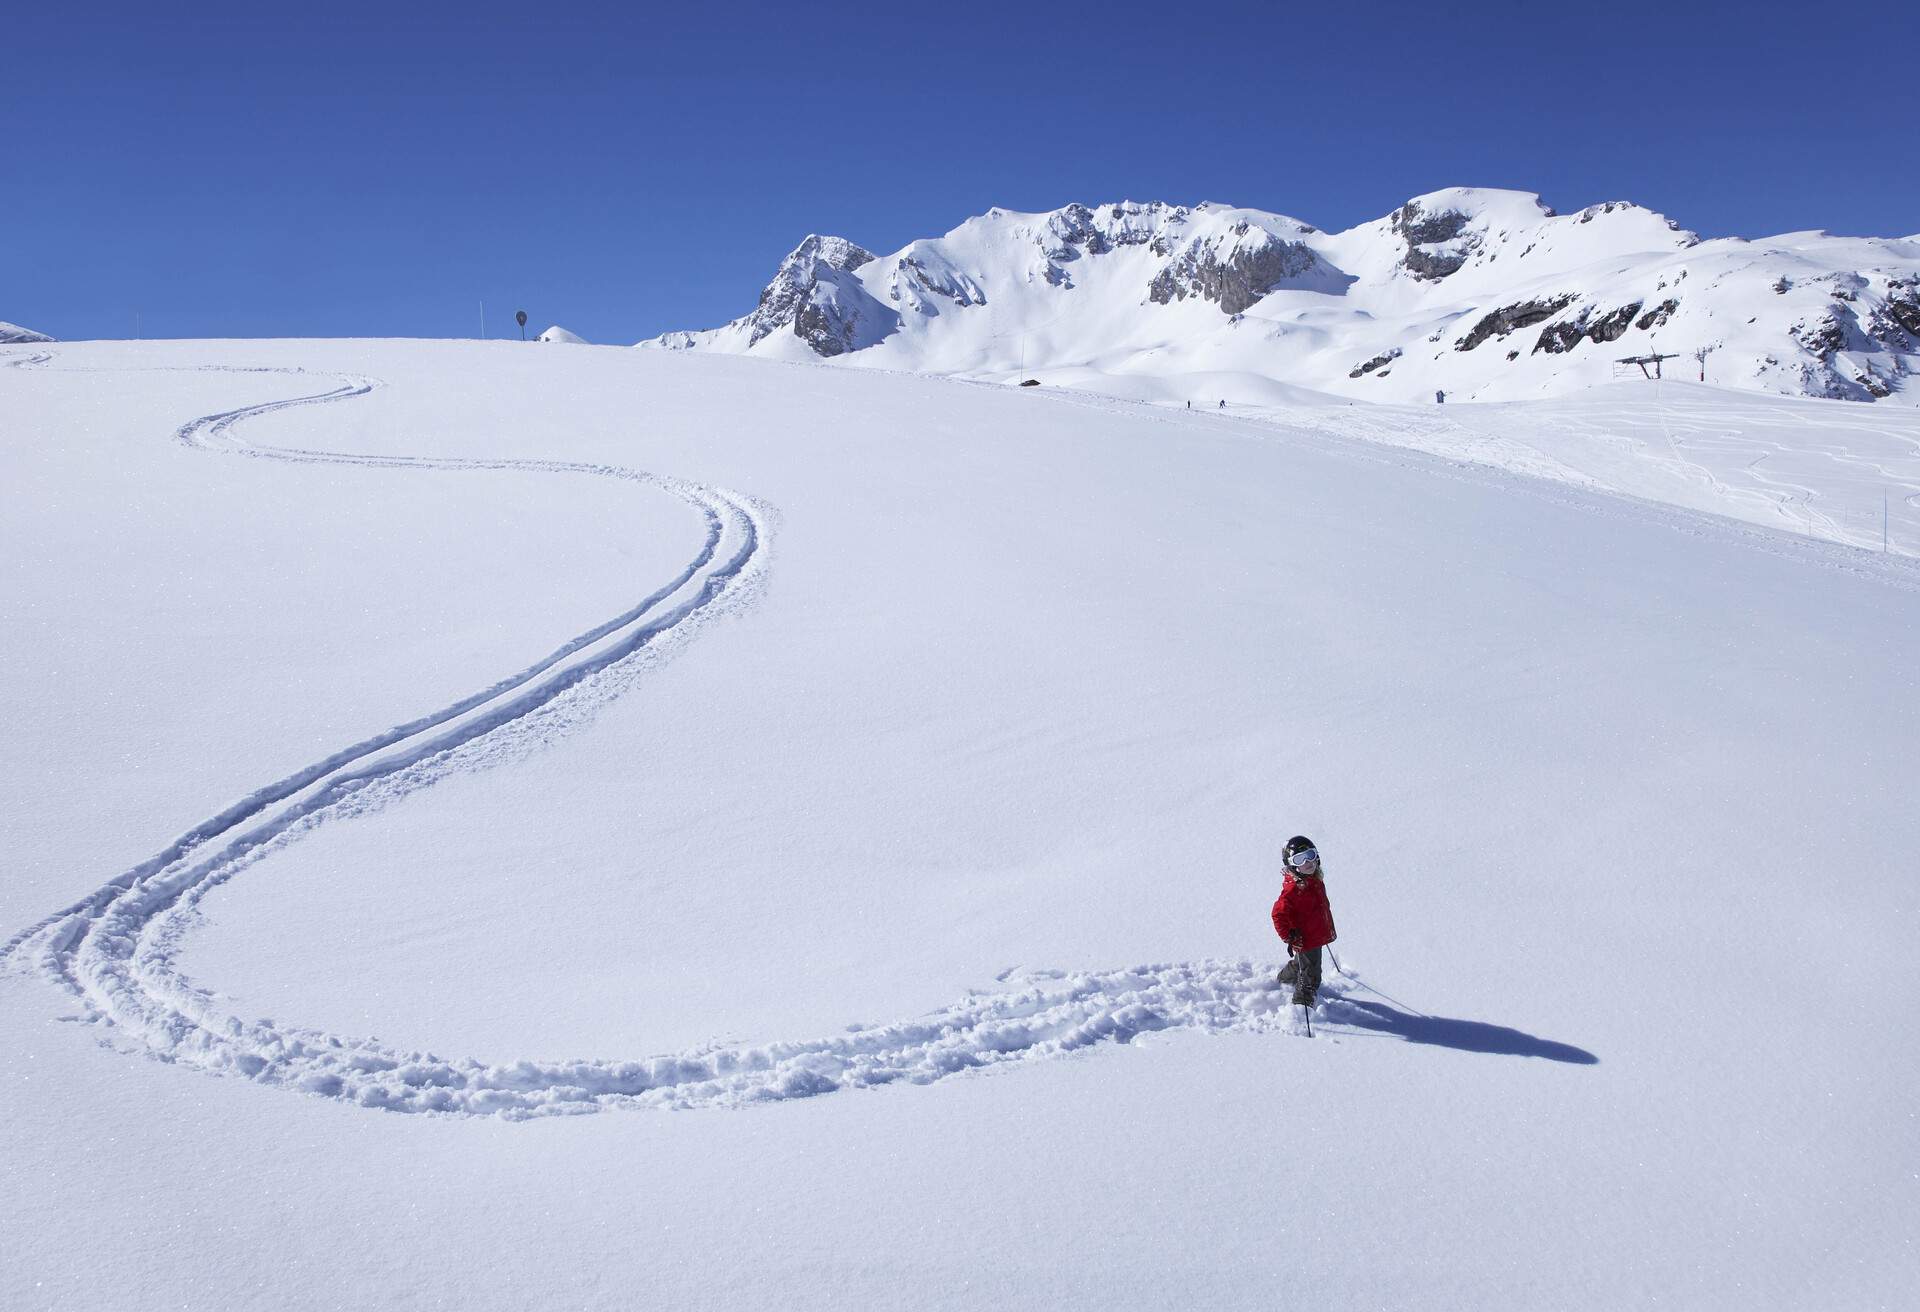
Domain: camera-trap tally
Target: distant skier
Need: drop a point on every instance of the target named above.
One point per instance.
(1302, 917)
(1439, 397)
(1223, 403)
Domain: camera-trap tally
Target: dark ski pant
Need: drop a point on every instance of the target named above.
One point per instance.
(1303, 972)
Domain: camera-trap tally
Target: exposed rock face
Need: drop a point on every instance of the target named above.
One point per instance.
(1078, 230)
(1070, 233)
(839, 316)
(1821, 336)
(1232, 271)
(815, 296)
(1610, 327)
(1658, 315)
(1831, 337)
(1419, 228)
(794, 284)
(1385, 357)
(1900, 315)
(1509, 318)
(1433, 265)
(1559, 338)
(1435, 246)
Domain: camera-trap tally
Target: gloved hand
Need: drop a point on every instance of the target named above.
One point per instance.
(1293, 942)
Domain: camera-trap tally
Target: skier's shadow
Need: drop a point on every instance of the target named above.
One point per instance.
(1466, 1035)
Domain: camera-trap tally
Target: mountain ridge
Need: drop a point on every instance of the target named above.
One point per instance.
(1479, 293)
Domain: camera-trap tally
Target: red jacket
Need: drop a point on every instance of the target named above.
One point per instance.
(1302, 908)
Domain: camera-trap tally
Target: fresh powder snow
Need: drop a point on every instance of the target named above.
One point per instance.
(503, 828)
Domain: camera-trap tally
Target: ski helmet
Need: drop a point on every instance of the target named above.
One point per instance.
(1298, 843)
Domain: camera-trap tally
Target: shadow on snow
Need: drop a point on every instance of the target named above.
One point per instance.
(1446, 1032)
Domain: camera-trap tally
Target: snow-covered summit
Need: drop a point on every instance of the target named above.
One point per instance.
(559, 334)
(1482, 293)
(815, 305)
(13, 334)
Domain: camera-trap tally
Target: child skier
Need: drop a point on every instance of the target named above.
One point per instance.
(1302, 917)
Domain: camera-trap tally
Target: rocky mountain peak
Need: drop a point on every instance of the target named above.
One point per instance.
(812, 295)
(834, 252)
(1479, 292)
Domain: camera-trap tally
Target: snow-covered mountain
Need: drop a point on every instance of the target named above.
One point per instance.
(559, 334)
(13, 334)
(1486, 294)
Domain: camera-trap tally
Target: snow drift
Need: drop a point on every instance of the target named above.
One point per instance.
(1481, 293)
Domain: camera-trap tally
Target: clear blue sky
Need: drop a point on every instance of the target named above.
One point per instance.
(352, 169)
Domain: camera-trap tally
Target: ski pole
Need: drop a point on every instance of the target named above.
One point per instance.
(1306, 1012)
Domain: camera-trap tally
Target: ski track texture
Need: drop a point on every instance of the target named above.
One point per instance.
(117, 949)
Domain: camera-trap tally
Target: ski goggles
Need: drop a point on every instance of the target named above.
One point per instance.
(1301, 860)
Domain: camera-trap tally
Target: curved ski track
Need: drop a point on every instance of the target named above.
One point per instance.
(116, 949)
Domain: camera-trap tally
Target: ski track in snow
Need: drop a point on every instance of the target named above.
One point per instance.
(116, 950)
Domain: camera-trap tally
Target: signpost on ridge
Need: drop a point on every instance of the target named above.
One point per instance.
(520, 317)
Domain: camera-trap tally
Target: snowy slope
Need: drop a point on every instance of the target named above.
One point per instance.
(930, 825)
(559, 334)
(1823, 469)
(1486, 294)
(12, 334)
